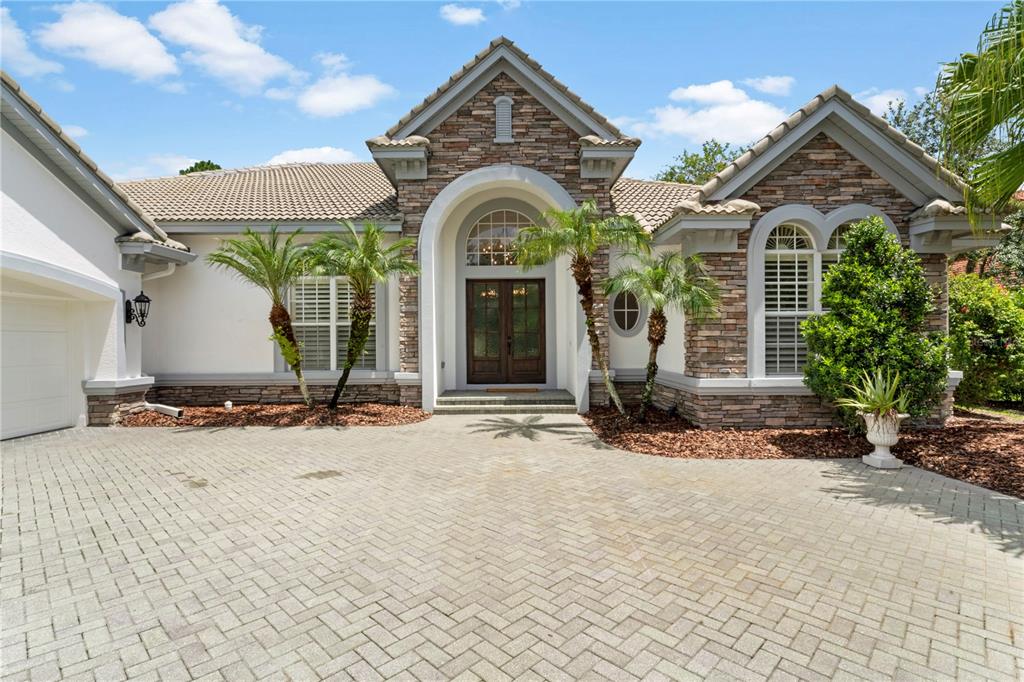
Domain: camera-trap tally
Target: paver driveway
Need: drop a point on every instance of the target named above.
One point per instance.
(461, 547)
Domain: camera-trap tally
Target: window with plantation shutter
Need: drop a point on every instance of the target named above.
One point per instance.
(788, 297)
(321, 316)
(503, 119)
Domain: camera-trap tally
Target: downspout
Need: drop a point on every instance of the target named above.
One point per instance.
(169, 270)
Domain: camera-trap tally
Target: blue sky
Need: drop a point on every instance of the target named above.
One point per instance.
(145, 87)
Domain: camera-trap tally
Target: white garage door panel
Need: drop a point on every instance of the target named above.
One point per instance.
(34, 384)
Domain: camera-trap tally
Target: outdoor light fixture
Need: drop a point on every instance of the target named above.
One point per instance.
(138, 312)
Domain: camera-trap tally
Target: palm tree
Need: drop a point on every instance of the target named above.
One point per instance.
(659, 282)
(581, 233)
(983, 97)
(272, 264)
(365, 261)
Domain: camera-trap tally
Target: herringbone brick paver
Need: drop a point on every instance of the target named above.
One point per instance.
(485, 548)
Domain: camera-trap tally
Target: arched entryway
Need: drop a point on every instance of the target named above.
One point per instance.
(453, 269)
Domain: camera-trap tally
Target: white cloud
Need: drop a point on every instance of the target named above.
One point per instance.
(221, 45)
(338, 92)
(719, 92)
(878, 100)
(314, 154)
(74, 131)
(921, 91)
(509, 4)
(16, 53)
(109, 40)
(153, 166)
(772, 85)
(461, 15)
(720, 110)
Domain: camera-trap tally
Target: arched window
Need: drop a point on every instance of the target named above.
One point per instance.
(790, 250)
(836, 246)
(789, 295)
(627, 313)
(503, 119)
(490, 239)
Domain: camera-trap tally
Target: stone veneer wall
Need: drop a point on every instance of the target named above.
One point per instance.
(826, 176)
(106, 410)
(465, 142)
(185, 396)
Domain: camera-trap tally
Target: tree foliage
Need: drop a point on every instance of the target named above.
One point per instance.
(877, 302)
(581, 233)
(273, 264)
(983, 95)
(986, 340)
(924, 122)
(696, 168)
(366, 260)
(666, 280)
(199, 166)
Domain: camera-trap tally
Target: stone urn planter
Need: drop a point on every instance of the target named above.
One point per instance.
(883, 433)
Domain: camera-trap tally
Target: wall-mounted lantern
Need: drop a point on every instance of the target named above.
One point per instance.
(137, 312)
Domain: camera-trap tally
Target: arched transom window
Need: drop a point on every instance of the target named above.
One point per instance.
(491, 238)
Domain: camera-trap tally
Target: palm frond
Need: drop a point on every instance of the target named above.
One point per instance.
(668, 280)
(265, 261)
(363, 258)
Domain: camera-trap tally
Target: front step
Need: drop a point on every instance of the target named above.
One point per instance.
(535, 408)
(506, 402)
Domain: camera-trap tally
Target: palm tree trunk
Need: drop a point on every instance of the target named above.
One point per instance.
(362, 314)
(582, 272)
(657, 326)
(281, 323)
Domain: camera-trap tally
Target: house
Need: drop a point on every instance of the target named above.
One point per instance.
(73, 250)
(497, 144)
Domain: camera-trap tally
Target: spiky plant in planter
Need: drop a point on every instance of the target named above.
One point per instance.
(882, 403)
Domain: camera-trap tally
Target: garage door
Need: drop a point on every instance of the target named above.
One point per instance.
(34, 383)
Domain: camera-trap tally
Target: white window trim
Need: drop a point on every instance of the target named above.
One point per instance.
(499, 102)
(334, 321)
(820, 226)
(640, 322)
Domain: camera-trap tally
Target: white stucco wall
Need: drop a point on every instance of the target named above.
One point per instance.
(630, 352)
(55, 246)
(205, 320)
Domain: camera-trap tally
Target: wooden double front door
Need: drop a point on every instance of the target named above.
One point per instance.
(505, 331)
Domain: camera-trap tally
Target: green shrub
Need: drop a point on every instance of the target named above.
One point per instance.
(877, 303)
(986, 339)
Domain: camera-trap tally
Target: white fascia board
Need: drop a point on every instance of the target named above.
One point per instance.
(157, 253)
(861, 139)
(121, 217)
(522, 73)
(308, 227)
(676, 229)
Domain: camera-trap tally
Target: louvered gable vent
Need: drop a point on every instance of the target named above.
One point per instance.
(503, 119)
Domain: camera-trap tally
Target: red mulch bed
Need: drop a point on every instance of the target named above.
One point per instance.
(977, 448)
(348, 414)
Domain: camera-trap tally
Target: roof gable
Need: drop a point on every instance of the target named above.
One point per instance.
(503, 56)
(867, 137)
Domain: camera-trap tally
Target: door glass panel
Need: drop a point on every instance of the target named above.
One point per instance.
(526, 322)
(486, 318)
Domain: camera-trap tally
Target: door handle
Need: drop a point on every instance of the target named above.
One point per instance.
(509, 342)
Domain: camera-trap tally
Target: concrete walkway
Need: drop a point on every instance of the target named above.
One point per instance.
(490, 547)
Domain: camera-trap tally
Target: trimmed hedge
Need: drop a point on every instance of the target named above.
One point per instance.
(986, 340)
(877, 302)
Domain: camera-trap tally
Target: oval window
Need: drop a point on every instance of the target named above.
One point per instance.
(626, 312)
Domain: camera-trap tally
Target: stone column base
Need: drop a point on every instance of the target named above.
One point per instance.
(107, 410)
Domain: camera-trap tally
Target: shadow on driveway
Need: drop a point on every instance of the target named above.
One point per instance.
(934, 497)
